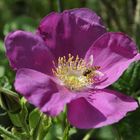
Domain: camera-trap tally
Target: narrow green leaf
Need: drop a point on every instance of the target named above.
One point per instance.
(3, 131)
(66, 132)
(20, 119)
(44, 126)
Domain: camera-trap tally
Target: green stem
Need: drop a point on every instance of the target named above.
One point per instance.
(24, 125)
(8, 134)
(4, 90)
(137, 13)
(43, 127)
(39, 129)
(88, 135)
(60, 7)
(66, 132)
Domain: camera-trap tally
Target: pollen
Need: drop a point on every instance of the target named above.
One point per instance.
(74, 73)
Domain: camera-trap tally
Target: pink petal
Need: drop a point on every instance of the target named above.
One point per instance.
(57, 102)
(41, 91)
(83, 115)
(100, 108)
(114, 52)
(72, 31)
(26, 50)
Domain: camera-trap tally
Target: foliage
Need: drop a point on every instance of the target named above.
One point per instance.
(25, 122)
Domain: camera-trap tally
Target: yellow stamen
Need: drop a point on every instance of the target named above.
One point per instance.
(74, 72)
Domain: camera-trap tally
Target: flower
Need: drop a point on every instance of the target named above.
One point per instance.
(70, 60)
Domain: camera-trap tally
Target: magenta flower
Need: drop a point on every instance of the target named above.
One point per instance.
(70, 61)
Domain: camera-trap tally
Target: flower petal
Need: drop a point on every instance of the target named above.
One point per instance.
(26, 50)
(101, 108)
(57, 102)
(113, 52)
(41, 91)
(72, 31)
(83, 115)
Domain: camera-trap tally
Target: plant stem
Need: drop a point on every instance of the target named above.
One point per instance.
(66, 132)
(8, 134)
(4, 90)
(136, 21)
(88, 135)
(137, 13)
(60, 7)
(24, 125)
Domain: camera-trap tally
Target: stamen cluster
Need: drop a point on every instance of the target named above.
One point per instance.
(71, 72)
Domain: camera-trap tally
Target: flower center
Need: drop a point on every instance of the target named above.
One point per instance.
(74, 73)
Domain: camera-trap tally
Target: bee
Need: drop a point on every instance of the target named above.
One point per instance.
(87, 72)
(90, 70)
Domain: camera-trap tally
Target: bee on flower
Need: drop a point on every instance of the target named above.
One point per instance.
(71, 60)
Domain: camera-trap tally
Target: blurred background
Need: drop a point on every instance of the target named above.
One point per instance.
(118, 15)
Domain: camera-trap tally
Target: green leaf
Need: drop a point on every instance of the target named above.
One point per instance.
(66, 132)
(8, 134)
(4, 82)
(4, 118)
(129, 127)
(129, 82)
(43, 128)
(10, 103)
(19, 119)
(34, 118)
(9, 100)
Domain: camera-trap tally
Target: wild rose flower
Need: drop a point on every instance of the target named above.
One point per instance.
(70, 61)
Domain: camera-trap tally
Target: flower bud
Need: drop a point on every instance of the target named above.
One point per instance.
(9, 102)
